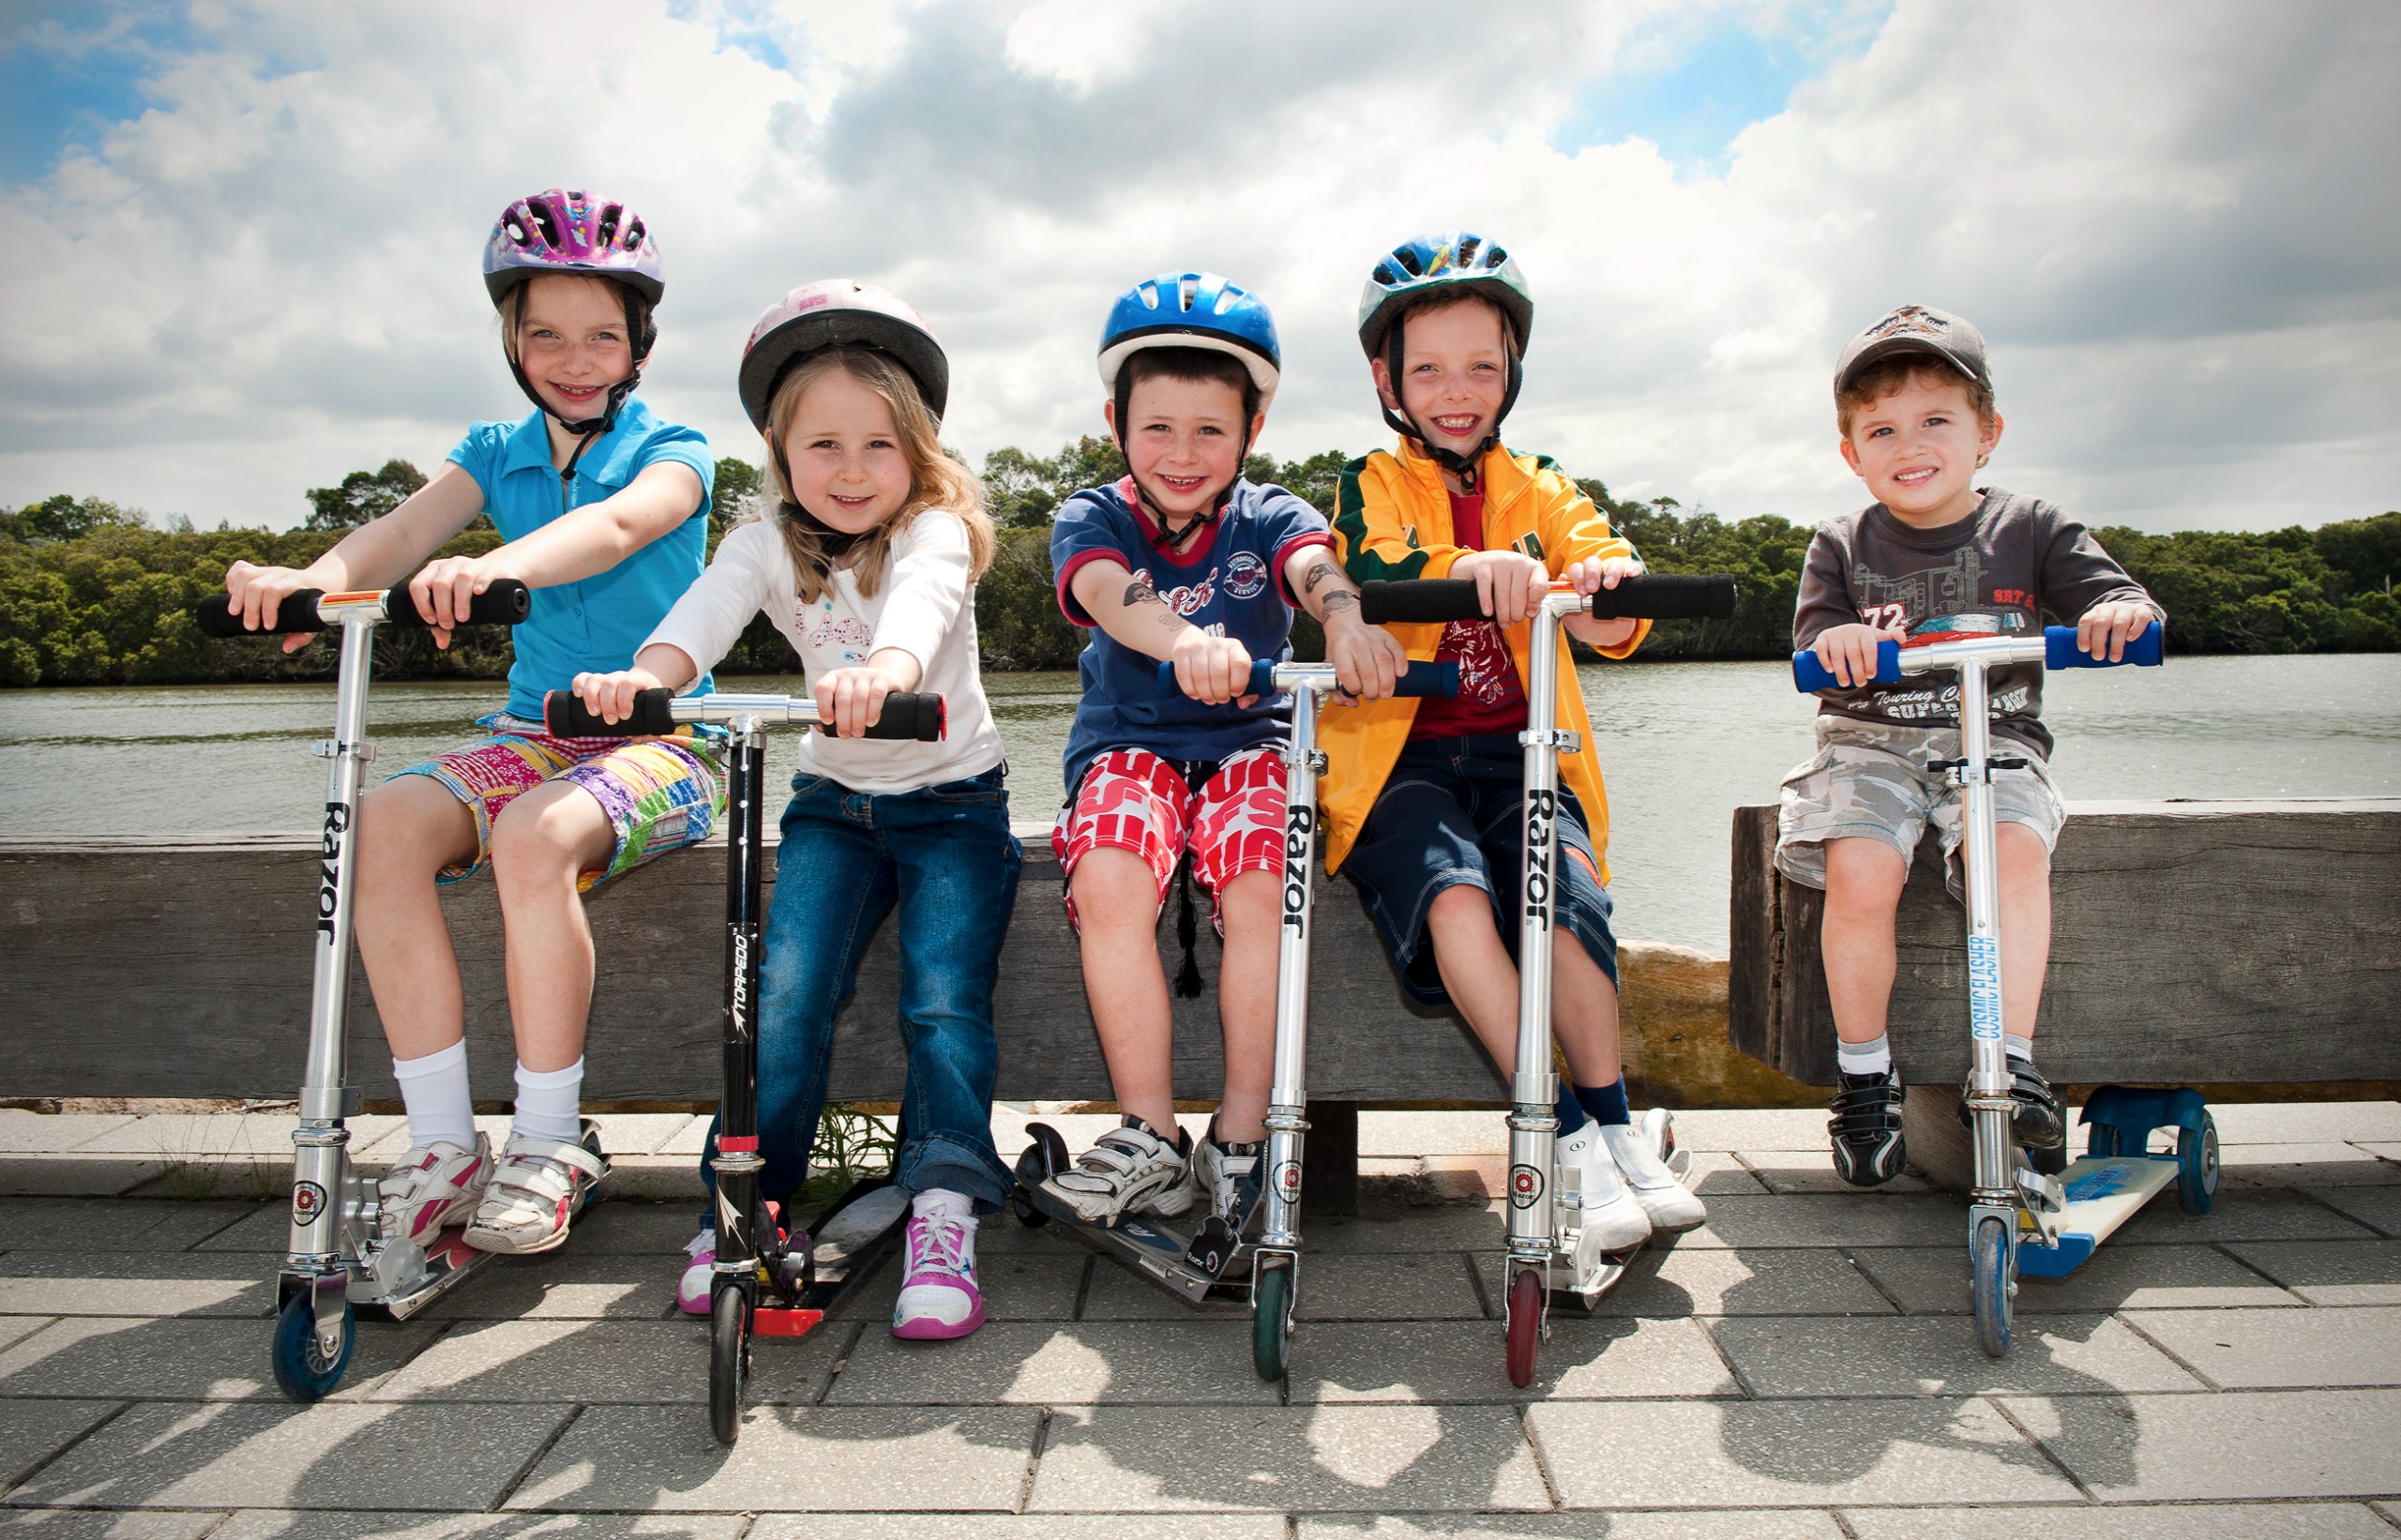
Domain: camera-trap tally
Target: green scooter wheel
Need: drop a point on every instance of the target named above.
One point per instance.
(1271, 1322)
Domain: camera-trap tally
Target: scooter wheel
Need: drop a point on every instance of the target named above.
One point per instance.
(1271, 1322)
(729, 1362)
(2102, 1139)
(1525, 1324)
(1989, 1265)
(1027, 1215)
(2197, 1166)
(303, 1371)
(2048, 1162)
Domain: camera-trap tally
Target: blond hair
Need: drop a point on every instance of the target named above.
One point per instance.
(936, 482)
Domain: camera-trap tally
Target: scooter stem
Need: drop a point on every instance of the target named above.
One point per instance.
(1533, 1126)
(1288, 1093)
(1988, 1100)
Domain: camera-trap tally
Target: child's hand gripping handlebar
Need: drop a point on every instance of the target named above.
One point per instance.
(2057, 649)
(1655, 596)
(1422, 678)
(658, 712)
(507, 602)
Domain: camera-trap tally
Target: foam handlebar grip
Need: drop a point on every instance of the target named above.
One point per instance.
(297, 614)
(1263, 676)
(1667, 596)
(1658, 596)
(921, 717)
(2060, 649)
(1808, 674)
(507, 602)
(1429, 679)
(565, 714)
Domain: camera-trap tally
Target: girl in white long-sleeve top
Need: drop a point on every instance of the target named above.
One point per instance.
(868, 569)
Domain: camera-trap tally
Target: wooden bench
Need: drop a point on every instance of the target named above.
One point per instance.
(179, 966)
(2226, 945)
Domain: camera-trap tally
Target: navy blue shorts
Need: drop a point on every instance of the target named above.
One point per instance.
(1449, 814)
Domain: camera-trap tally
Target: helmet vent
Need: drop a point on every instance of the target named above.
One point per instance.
(610, 218)
(1467, 250)
(546, 222)
(1186, 290)
(1495, 257)
(1409, 263)
(1149, 292)
(634, 234)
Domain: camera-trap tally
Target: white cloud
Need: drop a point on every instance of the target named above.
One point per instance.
(2176, 224)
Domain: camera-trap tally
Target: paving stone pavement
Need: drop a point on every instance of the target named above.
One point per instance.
(1801, 1368)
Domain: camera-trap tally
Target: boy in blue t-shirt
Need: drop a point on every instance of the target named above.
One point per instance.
(1184, 562)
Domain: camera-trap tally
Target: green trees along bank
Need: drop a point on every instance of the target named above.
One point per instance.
(93, 593)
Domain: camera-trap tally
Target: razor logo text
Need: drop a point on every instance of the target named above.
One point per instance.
(329, 865)
(1542, 811)
(1298, 822)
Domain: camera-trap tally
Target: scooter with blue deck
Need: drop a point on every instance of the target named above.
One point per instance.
(2020, 1218)
(1545, 1204)
(337, 1264)
(1190, 1262)
(772, 1277)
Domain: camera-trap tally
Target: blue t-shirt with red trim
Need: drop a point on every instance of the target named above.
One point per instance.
(1230, 582)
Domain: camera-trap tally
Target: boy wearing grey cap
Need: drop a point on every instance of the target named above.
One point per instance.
(1935, 557)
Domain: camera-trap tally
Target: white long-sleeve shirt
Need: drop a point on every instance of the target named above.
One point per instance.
(926, 607)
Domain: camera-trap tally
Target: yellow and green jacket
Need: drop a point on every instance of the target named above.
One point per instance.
(1391, 519)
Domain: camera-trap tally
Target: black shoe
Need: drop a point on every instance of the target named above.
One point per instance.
(1865, 1128)
(2040, 1123)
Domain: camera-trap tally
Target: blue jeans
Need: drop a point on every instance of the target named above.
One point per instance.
(946, 858)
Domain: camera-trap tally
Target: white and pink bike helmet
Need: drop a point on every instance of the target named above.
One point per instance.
(561, 231)
(833, 312)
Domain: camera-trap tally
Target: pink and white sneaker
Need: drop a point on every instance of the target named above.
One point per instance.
(428, 1188)
(692, 1289)
(939, 1299)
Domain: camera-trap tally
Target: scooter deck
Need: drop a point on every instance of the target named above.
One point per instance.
(448, 1263)
(846, 1242)
(2103, 1193)
(1163, 1250)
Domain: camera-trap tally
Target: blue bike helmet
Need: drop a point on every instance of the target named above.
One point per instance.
(1190, 310)
(1450, 261)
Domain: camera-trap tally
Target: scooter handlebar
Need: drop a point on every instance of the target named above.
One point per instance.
(1657, 595)
(1809, 675)
(507, 602)
(2147, 650)
(920, 718)
(1422, 678)
(2059, 651)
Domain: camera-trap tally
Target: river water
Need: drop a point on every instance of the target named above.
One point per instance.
(1682, 745)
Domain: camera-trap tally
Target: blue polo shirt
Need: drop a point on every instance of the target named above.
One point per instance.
(595, 625)
(1230, 583)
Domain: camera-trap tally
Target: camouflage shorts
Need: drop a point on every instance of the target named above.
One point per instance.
(1868, 779)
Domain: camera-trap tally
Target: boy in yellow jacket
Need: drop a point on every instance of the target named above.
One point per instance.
(1423, 797)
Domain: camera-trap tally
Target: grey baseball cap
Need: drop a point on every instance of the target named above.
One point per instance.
(1916, 329)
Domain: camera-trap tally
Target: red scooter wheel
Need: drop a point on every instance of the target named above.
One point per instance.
(1525, 1324)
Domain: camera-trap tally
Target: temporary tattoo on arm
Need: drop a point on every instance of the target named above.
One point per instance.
(1139, 591)
(1336, 602)
(1316, 574)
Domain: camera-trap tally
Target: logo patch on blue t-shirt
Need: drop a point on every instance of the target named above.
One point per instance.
(1246, 575)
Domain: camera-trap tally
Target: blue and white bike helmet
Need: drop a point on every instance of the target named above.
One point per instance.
(1451, 260)
(1190, 310)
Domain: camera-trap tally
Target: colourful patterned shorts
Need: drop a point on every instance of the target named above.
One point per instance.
(1130, 799)
(660, 793)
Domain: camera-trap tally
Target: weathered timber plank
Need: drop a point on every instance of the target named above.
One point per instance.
(2216, 941)
(158, 967)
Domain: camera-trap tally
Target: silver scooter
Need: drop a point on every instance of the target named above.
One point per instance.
(1545, 1204)
(336, 1263)
(2067, 1214)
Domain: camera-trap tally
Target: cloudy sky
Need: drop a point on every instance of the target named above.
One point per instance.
(242, 239)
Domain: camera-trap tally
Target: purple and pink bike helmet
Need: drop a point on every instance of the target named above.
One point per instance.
(563, 230)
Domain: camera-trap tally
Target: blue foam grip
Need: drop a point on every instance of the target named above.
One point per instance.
(1263, 676)
(1429, 679)
(1809, 675)
(2147, 650)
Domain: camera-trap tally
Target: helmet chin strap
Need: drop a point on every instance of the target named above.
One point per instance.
(1168, 539)
(1462, 466)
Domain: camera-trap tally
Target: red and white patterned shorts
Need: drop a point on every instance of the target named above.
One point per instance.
(1133, 800)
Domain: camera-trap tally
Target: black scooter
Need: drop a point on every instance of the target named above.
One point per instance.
(807, 1269)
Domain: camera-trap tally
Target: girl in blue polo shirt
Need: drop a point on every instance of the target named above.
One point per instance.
(604, 512)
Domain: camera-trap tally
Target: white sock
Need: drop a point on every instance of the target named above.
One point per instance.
(435, 1091)
(936, 1201)
(1872, 1057)
(2019, 1048)
(547, 1101)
